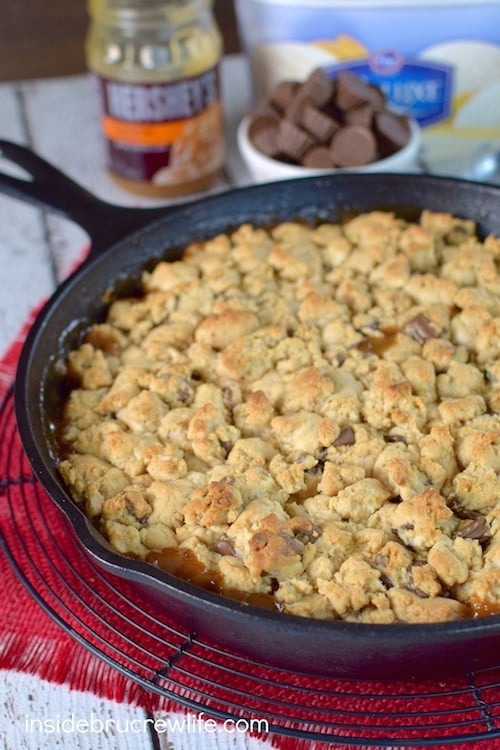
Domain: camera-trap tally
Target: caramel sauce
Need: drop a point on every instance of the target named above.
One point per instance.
(378, 344)
(103, 341)
(482, 609)
(256, 599)
(309, 490)
(184, 564)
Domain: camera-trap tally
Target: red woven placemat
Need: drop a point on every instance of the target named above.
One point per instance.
(72, 623)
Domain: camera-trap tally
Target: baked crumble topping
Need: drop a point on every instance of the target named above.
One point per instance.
(307, 414)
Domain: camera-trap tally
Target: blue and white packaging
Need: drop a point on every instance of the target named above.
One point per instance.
(437, 60)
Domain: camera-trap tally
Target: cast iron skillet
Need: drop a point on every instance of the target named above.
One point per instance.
(124, 241)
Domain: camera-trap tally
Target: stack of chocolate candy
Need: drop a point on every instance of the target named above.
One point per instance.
(327, 122)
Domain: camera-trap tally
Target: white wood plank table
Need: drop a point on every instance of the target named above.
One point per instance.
(58, 119)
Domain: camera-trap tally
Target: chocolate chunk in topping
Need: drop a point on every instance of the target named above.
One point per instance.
(421, 329)
(386, 581)
(293, 141)
(304, 530)
(457, 235)
(318, 87)
(275, 544)
(228, 397)
(475, 528)
(346, 437)
(411, 582)
(392, 132)
(226, 446)
(353, 146)
(225, 547)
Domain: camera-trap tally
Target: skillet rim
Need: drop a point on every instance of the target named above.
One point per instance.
(141, 571)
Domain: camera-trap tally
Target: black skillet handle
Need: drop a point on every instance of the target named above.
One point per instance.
(49, 188)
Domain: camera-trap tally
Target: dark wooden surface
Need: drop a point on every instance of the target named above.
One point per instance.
(43, 38)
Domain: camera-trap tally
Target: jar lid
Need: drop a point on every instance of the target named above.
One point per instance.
(135, 11)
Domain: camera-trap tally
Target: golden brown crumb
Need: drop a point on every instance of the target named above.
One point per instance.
(313, 412)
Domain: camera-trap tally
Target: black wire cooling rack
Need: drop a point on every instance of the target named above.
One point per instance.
(107, 617)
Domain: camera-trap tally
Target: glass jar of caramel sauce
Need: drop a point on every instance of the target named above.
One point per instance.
(156, 63)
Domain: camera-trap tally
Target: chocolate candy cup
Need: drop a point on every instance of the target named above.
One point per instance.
(353, 146)
(318, 157)
(346, 114)
(362, 115)
(353, 91)
(392, 131)
(282, 94)
(263, 132)
(292, 140)
(318, 87)
(318, 124)
(296, 107)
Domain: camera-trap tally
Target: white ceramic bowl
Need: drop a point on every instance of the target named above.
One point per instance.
(264, 169)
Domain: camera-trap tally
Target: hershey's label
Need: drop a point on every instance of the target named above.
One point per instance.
(163, 102)
(163, 133)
